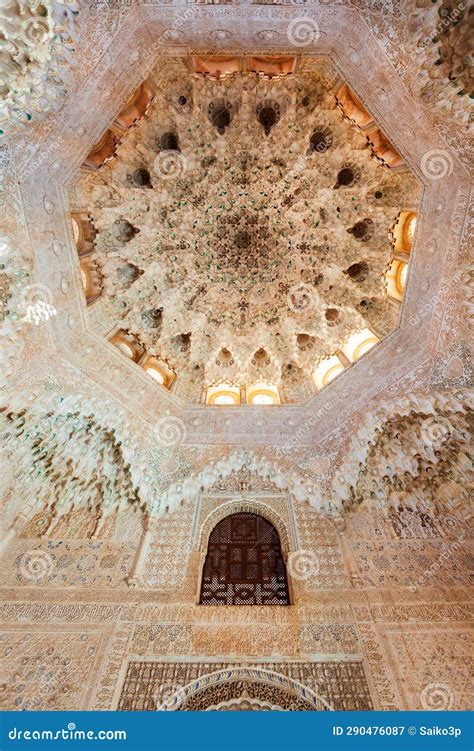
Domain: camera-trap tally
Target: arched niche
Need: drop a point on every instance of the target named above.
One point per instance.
(252, 507)
(246, 688)
(244, 563)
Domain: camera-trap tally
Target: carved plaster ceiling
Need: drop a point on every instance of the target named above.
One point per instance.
(379, 54)
(252, 253)
(413, 453)
(36, 44)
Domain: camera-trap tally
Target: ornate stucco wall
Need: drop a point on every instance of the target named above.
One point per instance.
(384, 595)
(111, 482)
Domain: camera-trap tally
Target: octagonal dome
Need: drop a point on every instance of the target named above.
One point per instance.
(251, 233)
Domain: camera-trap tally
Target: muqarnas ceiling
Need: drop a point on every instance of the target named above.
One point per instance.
(242, 231)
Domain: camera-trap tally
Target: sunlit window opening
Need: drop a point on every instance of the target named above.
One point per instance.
(158, 370)
(128, 345)
(155, 374)
(127, 349)
(352, 108)
(402, 276)
(83, 233)
(409, 230)
(76, 229)
(85, 280)
(272, 67)
(223, 395)
(263, 393)
(403, 232)
(395, 279)
(223, 66)
(360, 343)
(383, 150)
(327, 370)
(217, 66)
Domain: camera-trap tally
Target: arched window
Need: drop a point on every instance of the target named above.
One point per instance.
(224, 394)
(244, 564)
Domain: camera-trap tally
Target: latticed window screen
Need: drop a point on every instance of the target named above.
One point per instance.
(244, 564)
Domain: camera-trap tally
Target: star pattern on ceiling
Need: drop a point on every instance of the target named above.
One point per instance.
(242, 229)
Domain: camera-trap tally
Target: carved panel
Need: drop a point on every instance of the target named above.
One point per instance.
(152, 685)
(48, 669)
(432, 664)
(167, 558)
(71, 563)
